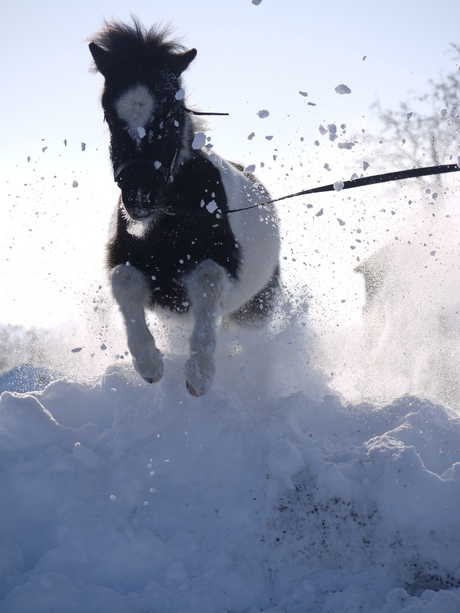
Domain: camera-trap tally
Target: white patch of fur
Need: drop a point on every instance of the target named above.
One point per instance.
(205, 287)
(256, 232)
(136, 107)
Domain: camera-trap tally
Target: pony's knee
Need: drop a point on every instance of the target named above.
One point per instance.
(206, 282)
(129, 285)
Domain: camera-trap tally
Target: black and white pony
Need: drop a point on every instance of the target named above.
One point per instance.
(176, 244)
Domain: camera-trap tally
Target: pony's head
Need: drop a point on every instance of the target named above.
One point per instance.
(144, 109)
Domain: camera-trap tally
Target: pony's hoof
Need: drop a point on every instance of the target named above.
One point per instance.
(192, 391)
(151, 377)
(199, 373)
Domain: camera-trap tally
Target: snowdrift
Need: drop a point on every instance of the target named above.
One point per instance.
(124, 497)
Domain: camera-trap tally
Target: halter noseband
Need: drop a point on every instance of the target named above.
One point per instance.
(167, 172)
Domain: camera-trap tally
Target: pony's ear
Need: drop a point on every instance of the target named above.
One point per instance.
(102, 58)
(181, 61)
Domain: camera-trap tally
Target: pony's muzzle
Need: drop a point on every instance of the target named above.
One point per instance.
(139, 203)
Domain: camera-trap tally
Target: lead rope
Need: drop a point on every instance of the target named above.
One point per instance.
(361, 182)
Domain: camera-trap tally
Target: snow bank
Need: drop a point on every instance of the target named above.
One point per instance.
(120, 496)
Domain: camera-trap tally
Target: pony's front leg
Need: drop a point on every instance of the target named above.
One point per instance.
(131, 291)
(204, 288)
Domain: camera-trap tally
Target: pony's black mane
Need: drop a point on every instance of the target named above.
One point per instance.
(134, 43)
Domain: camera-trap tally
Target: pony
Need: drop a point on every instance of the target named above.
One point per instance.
(178, 244)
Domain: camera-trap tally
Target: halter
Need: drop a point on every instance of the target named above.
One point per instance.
(166, 172)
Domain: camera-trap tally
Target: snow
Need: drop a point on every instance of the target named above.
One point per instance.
(338, 185)
(199, 140)
(263, 113)
(120, 496)
(343, 89)
(270, 494)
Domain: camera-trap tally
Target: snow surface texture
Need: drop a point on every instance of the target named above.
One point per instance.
(266, 495)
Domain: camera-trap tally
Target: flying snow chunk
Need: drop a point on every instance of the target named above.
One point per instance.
(141, 131)
(343, 89)
(199, 140)
(250, 168)
(251, 136)
(303, 94)
(83, 146)
(180, 94)
(338, 185)
(212, 206)
(263, 113)
(256, 2)
(409, 115)
(347, 145)
(443, 113)
(365, 165)
(74, 183)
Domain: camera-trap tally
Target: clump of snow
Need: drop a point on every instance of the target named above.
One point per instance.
(180, 94)
(250, 168)
(365, 165)
(199, 140)
(443, 113)
(141, 131)
(343, 89)
(256, 2)
(83, 146)
(338, 186)
(263, 113)
(211, 206)
(346, 145)
(74, 183)
(305, 94)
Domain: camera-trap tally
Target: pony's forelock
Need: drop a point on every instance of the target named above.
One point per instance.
(128, 43)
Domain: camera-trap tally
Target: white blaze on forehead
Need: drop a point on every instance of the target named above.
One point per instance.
(135, 107)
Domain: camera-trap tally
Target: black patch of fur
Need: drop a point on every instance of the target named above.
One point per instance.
(174, 245)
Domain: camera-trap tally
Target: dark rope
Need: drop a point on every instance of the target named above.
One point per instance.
(192, 112)
(361, 182)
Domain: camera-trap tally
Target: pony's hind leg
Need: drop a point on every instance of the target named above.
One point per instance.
(131, 291)
(204, 288)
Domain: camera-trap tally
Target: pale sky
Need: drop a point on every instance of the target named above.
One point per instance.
(250, 57)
